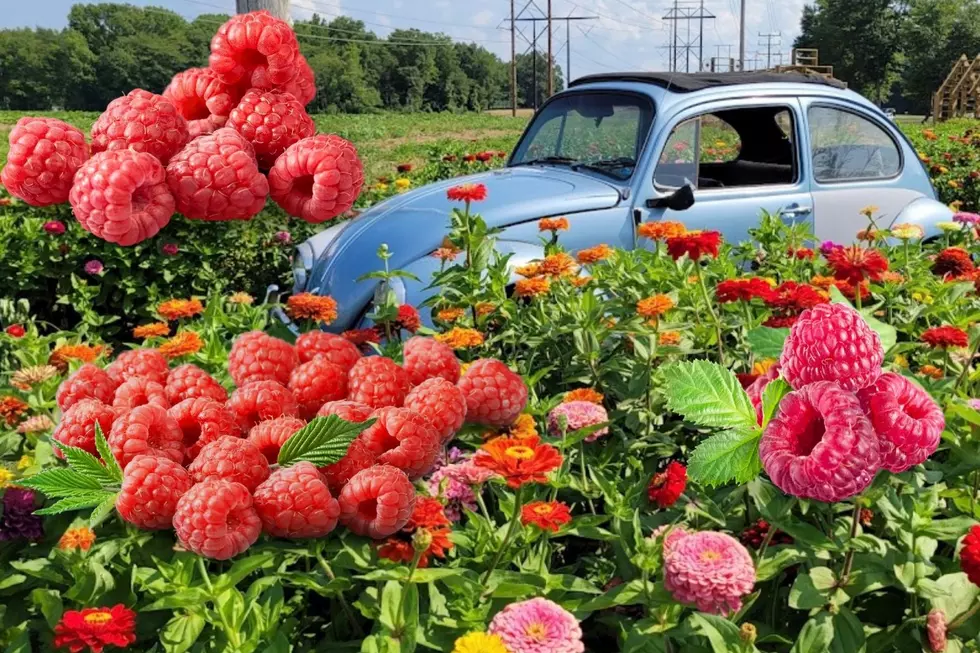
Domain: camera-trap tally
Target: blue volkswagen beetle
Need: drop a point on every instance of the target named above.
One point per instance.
(616, 150)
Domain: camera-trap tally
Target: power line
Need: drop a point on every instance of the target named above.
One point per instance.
(692, 42)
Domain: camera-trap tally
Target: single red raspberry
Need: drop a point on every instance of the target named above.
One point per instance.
(89, 382)
(44, 155)
(832, 342)
(336, 349)
(145, 363)
(317, 178)
(969, 554)
(270, 435)
(122, 197)
(202, 99)
(495, 396)
(202, 421)
(441, 403)
(231, 459)
(757, 386)
(215, 177)
(349, 411)
(377, 502)
(271, 121)
(216, 519)
(316, 383)
(427, 358)
(256, 356)
(296, 502)
(254, 50)
(151, 488)
(357, 458)
(77, 425)
(907, 420)
(138, 391)
(378, 382)
(820, 445)
(143, 122)
(303, 86)
(404, 439)
(146, 430)
(188, 381)
(261, 401)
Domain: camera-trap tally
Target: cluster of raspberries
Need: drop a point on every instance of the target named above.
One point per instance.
(845, 419)
(201, 148)
(205, 462)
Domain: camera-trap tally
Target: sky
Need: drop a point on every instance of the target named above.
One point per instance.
(625, 35)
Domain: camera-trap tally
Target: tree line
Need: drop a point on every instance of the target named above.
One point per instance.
(109, 49)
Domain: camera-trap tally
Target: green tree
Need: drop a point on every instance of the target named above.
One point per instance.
(529, 76)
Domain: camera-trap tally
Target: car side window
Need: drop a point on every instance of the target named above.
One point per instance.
(678, 164)
(848, 147)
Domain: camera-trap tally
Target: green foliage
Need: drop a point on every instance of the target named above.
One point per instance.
(708, 394)
(726, 457)
(322, 442)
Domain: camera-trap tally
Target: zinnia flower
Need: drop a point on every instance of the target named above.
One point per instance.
(96, 628)
(553, 224)
(307, 306)
(152, 330)
(949, 226)
(28, 377)
(577, 415)
(404, 167)
(710, 570)
(479, 643)
(792, 298)
(84, 353)
(6, 476)
(953, 262)
(54, 227)
(970, 219)
(460, 338)
(936, 630)
(556, 265)
(402, 183)
(584, 394)
(828, 246)
(361, 337)
(529, 271)
(653, 307)
(427, 515)
(670, 338)
(446, 253)
(532, 287)
(18, 521)
(284, 237)
(908, 232)
(661, 230)
(454, 483)
(175, 309)
(35, 424)
(519, 460)
(16, 331)
(970, 555)
(801, 253)
(734, 290)
(931, 371)
(93, 267)
(77, 538)
(184, 343)
(408, 318)
(450, 314)
(241, 298)
(666, 487)
(594, 254)
(695, 244)
(170, 249)
(944, 337)
(467, 193)
(537, 626)
(25, 461)
(855, 264)
(485, 308)
(11, 409)
(546, 515)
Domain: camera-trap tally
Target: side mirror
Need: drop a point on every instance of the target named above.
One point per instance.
(680, 200)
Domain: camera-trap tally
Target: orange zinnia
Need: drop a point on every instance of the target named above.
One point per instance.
(519, 460)
(557, 265)
(450, 314)
(446, 253)
(671, 338)
(594, 254)
(584, 394)
(485, 308)
(931, 371)
(532, 287)
(580, 282)
(661, 230)
(11, 409)
(429, 517)
(553, 224)
(530, 270)
(153, 330)
(460, 338)
(77, 538)
(546, 515)
(182, 344)
(175, 309)
(307, 306)
(653, 307)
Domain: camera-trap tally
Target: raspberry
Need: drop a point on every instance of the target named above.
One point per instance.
(147, 430)
(143, 122)
(377, 502)
(216, 178)
(426, 358)
(189, 381)
(256, 356)
(122, 197)
(820, 445)
(77, 425)
(756, 388)
(231, 459)
(270, 435)
(317, 178)
(357, 458)
(254, 50)
(303, 86)
(202, 421)
(441, 403)
(832, 342)
(271, 121)
(350, 411)
(202, 99)
(907, 420)
(336, 349)
(261, 401)
(296, 502)
(315, 383)
(145, 363)
(44, 155)
(89, 382)
(150, 490)
(495, 396)
(403, 439)
(378, 382)
(216, 519)
(139, 391)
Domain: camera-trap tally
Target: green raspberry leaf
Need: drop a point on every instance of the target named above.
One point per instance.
(767, 342)
(78, 501)
(322, 442)
(773, 393)
(726, 457)
(105, 452)
(87, 465)
(708, 395)
(60, 482)
(102, 511)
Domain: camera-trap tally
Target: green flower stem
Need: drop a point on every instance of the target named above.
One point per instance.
(340, 596)
(399, 626)
(653, 353)
(585, 478)
(766, 540)
(966, 366)
(849, 558)
(514, 520)
(711, 312)
(231, 634)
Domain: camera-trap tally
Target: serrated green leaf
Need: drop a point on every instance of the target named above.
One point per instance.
(726, 457)
(102, 511)
(767, 342)
(59, 482)
(708, 394)
(105, 452)
(86, 464)
(323, 441)
(79, 501)
(772, 394)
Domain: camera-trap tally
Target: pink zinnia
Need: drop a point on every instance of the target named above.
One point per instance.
(472, 474)
(446, 484)
(578, 415)
(936, 630)
(966, 218)
(537, 626)
(170, 249)
(710, 570)
(673, 535)
(94, 266)
(54, 227)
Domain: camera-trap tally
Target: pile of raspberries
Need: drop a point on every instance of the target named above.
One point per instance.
(204, 462)
(213, 146)
(846, 419)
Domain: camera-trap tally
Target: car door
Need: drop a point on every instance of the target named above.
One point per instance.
(741, 156)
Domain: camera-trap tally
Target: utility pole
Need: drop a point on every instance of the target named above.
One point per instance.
(771, 39)
(741, 38)
(278, 8)
(692, 43)
(534, 66)
(532, 42)
(551, 60)
(513, 62)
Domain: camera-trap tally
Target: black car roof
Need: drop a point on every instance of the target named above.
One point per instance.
(690, 82)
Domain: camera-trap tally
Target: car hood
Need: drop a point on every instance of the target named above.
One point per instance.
(414, 223)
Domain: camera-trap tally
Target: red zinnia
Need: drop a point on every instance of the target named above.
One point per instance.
(855, 264)
(408, 318)
(734, 290)
(362, 336)
(467, 193)
(95, 628)
(945, 337)
(519, 460)
(546, 515)
(666, 487)
(484, 156)
(803, 253)
(695, 244)
(953, 262)
(970, 555)
(429, 515)
(404, 167)
(793, 297)
(16, 330)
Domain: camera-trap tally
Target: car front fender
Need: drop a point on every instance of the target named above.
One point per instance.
(925, 212)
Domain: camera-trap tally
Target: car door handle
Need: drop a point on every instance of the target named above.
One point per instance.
(794, 211)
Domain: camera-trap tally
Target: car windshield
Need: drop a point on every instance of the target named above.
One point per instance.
(603, 132)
